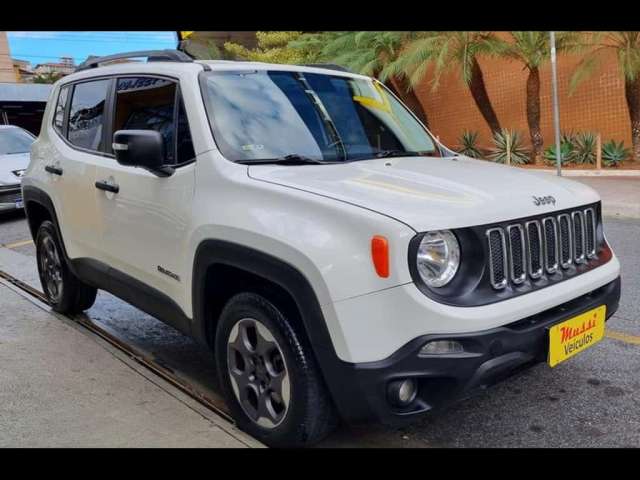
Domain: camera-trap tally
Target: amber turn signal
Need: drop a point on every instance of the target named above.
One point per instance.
(380, 255)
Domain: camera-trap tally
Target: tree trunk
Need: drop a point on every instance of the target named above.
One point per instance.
(481, 97)
(533, 115)
(632, 93)
(401, 88)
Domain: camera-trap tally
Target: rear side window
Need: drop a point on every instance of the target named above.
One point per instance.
(58, 116)
(86, 114)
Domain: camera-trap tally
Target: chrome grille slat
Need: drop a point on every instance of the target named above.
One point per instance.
(534, 247)
(543, 245)
(550, 244)
(497, 258)
(590, 232)
(565, 240)
(517, 250)
(578, 237)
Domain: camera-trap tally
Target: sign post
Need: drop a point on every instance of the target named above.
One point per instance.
(556, 111)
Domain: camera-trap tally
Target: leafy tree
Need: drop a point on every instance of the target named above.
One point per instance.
(368, 53)
(626, 47)
(273, 47)
(447, 50)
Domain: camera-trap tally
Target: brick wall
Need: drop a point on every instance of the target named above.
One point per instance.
(597, 105)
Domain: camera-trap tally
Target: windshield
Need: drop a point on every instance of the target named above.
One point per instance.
(15, 140)
(262, 115)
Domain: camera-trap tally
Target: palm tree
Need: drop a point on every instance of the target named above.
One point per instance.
(367, 53)
(626, 47)
(532, 49)
(446, 50)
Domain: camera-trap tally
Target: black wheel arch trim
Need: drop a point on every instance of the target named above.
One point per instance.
(30, 195)
(289, 278)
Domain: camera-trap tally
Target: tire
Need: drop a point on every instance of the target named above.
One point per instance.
(309, 414)
(66, 292)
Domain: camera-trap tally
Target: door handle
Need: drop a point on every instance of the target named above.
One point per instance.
(107, 186)
(54, 170)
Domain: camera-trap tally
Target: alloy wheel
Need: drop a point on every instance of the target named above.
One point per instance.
(51, 269)
(258, 373)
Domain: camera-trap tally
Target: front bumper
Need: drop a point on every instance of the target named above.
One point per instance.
(10, 198)
(490, 356)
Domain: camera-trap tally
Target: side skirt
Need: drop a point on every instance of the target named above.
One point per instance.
(132, 291)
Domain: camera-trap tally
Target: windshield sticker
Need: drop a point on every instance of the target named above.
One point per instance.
(251, 146)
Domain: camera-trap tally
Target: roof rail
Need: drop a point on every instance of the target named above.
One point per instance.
(152, 56)
(328, 66)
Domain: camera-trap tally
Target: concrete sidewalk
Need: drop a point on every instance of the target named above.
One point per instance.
(620, 195)
(61, 386)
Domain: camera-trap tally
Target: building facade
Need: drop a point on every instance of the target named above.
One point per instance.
(7, 70)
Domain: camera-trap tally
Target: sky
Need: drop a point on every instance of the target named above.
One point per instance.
(43, 47)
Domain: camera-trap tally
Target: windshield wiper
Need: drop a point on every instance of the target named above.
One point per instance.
(292, 159)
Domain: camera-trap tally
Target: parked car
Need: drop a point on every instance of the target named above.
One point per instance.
(340, 262)
(15, 145)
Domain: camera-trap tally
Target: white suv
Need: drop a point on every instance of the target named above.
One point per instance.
(300, 221)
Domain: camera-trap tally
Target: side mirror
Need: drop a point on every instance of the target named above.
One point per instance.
(141, 148)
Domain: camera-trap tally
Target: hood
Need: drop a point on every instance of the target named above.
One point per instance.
(430, 193)
(9, 163)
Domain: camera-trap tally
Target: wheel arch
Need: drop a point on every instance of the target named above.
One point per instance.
(39, 207)
(215, 258)
(218, 263)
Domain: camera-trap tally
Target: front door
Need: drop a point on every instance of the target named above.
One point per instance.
(145, 223)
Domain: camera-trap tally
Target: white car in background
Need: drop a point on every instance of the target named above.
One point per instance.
(15, 146)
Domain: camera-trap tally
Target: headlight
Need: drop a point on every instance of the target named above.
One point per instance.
(438, 258)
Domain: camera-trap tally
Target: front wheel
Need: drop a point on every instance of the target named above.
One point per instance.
(66, 292)
(268, 375)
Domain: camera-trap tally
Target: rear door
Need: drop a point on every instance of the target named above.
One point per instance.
(145, 223)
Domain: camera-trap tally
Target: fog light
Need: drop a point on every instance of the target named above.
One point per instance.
(441, 347)
(402, 392)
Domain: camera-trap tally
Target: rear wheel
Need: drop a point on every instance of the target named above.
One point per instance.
(268, 375)
(66, 292)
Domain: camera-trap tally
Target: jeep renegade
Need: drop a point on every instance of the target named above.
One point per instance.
(300, 221)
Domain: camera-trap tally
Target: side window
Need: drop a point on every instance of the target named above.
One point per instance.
(87, 114)
(58, 116)
(145, 103)
(184, 148)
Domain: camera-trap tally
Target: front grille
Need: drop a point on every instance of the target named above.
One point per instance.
(546, 245)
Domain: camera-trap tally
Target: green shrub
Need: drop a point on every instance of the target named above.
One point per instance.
(468, 144)
(567, 153)
(584, 151)
(567, 150)
(613, 153)
(519, 154)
